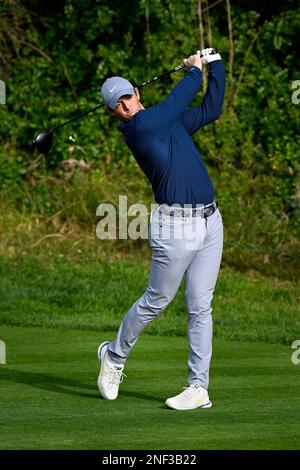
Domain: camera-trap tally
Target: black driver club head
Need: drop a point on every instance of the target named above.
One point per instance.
(43, 142)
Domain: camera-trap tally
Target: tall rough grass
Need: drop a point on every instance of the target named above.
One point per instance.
(57, 216)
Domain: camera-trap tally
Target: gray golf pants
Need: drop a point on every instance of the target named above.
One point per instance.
(190, 245)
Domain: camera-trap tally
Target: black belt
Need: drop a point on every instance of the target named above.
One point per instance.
(204, 211)
(210, 209)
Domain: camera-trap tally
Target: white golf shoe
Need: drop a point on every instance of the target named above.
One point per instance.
(111, 374)
(194, 396)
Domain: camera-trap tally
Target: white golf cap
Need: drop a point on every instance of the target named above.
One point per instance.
(113, 88)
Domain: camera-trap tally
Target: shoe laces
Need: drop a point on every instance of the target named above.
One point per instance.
(116, 376)
(191, 391)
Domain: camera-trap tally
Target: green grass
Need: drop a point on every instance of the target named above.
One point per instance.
(53, 315)
(53, 292)
(49, 397)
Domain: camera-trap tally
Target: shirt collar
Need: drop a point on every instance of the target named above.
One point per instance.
(121, 127)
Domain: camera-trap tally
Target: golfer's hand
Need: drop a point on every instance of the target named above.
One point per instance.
(193, 61)
(208, 56)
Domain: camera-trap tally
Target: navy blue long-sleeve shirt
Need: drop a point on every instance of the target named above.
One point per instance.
(159, 138)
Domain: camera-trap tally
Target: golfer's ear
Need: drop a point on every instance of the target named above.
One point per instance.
(137, 93)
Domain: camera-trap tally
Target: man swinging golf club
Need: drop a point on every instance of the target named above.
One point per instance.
(159, 138)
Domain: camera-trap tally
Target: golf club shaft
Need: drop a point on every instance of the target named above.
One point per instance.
(44, 140)
(77, 117)
(175, 69)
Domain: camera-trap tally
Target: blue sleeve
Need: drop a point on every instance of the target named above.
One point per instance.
(211, 106)
(172, 107)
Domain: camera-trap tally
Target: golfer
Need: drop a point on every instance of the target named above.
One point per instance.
(186, 229)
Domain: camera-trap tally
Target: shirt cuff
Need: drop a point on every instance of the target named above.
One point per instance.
(195, 68)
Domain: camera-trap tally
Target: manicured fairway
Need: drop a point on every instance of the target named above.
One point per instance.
(49, 398)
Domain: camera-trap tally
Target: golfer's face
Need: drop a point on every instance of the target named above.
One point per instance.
(127, 106)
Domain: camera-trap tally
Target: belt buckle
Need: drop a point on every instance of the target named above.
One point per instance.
(209, 211)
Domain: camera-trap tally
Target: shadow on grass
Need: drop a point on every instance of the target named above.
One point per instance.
(142, 396)
(62, 385)
(48, 382)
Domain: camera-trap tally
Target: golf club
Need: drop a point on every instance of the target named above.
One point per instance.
(43, 141)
